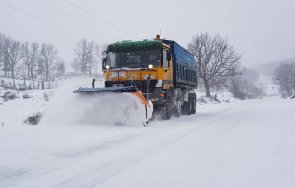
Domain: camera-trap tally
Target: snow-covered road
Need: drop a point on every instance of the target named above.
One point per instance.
(242, 144)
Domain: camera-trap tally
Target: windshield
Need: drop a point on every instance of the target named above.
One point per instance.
(134, 59)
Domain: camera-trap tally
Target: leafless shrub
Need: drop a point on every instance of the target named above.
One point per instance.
(46, 96)
(33, 119)
(9, 96)
(26, 96)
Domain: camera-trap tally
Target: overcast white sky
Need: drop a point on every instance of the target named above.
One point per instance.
(262, 30)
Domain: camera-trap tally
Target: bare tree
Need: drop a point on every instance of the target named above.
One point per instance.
(15, 54)
(21, 71)
(28, 60)
(31, 53)
(215, 57)
(48, 56)
(26, 57)
(235, 73)
(4, 53)
(2, 40)
(34, 55)
(60, 67)
(284, 76)
(91, 56)
(84, 57)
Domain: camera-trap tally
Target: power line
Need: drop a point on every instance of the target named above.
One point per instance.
(114, 16)
(72, 17)
(98, 18)
(34, 16)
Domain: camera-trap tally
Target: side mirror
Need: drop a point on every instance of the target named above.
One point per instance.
(104, 62)
(104, 59)
(104, 54)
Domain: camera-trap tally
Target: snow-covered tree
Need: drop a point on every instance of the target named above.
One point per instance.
(284, 77)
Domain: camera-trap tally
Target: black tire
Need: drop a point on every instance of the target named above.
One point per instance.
(195, 106)
(167, 111)
(184, 108)
(192, 103)
(177, 110)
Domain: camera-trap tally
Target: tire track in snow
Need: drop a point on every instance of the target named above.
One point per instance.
(14, 177)
(93, 176)
(97, 175)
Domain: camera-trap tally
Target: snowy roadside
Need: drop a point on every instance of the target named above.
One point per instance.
(61, 104)
(21, 104)
(239, 144)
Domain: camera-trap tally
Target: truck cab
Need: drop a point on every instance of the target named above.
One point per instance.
(156, 69)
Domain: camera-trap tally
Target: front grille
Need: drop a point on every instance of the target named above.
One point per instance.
(140, 84)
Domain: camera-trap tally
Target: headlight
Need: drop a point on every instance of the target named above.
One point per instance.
(150, 66)
(107, 67)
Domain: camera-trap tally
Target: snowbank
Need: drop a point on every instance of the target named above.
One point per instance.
(14, 110)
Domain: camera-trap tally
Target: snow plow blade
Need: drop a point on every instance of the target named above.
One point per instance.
(132, 90)
(117, 90)
(106, 90)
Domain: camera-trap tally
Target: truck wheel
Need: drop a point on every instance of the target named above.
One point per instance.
(177, 110)
(192, 106)
(192, 103)
(184, 108)
(167, 111)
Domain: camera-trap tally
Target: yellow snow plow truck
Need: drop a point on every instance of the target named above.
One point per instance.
(160, 71)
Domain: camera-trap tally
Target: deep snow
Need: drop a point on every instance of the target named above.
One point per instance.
(232, 144)
(67, 108)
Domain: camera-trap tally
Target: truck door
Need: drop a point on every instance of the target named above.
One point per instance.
(167, 69)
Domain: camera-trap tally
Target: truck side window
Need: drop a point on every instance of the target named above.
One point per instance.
(165, 61)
